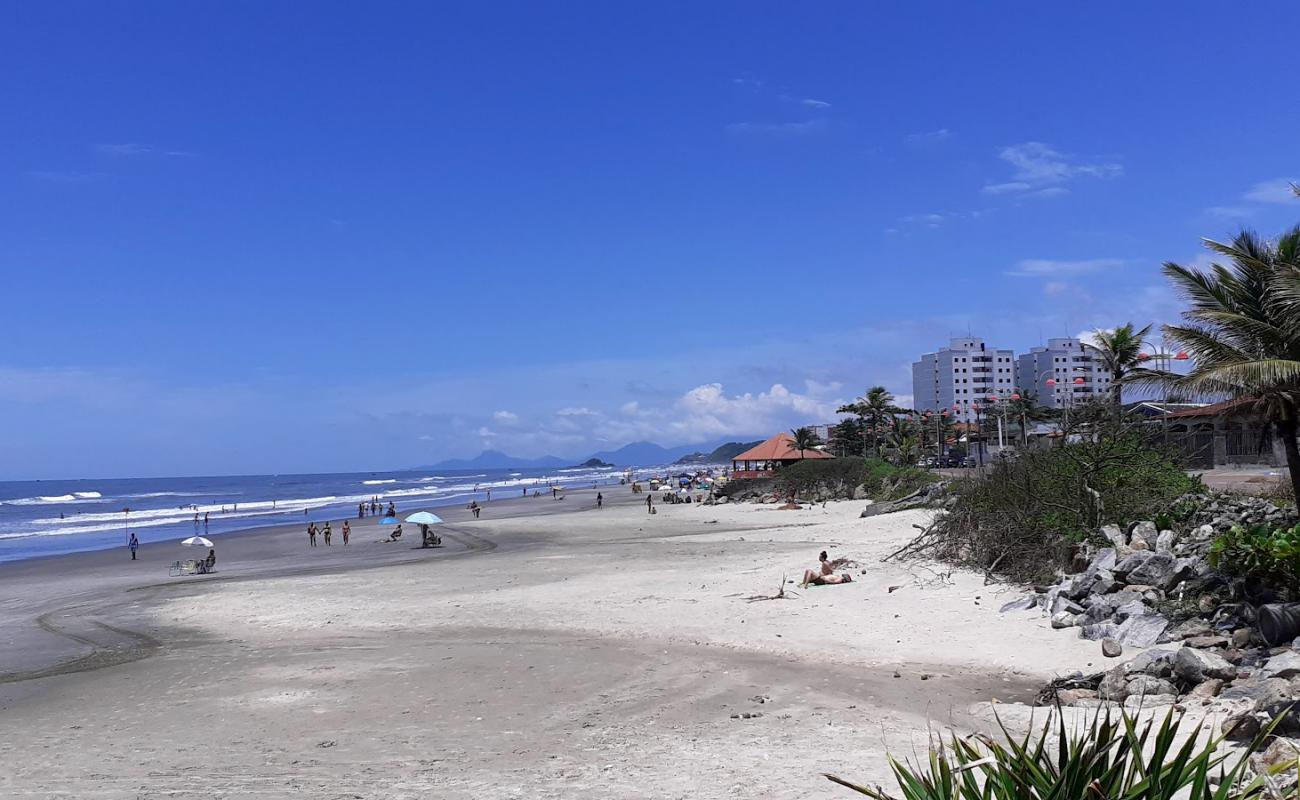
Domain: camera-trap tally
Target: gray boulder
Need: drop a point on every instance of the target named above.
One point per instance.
(1113, 685)
(1145, 684)
(1156, 663)
(1064, 605)
(1111, 648)
(1131, 562)
(1115, 535)
(1165, 542)
(1064, 619)
(1261, 692)
(1145, 532)
(1134, 702)
(1193, 666)
(1153, 571)
(1142, 631)
(1098, 630)
(1105, 583)
(1133, 608)
(1023, 604)
(1282, 665)
(1105, 560)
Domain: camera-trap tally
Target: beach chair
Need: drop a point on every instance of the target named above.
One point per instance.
(179, 568)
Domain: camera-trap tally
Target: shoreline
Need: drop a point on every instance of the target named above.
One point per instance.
(589, 653)
(36, 591)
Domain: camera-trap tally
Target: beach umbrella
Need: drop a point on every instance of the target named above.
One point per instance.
(424, 518)
(197, 541)
(388, 520)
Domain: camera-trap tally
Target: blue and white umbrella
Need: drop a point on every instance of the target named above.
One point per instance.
(424, 518)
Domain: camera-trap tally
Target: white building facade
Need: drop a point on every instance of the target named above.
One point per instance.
(1063, 373)
(962, 375)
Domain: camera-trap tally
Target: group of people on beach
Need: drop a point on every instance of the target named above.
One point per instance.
(374, 506)
(327, 533)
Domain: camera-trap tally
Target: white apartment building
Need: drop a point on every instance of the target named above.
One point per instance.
(1072, 367)
(961, 375)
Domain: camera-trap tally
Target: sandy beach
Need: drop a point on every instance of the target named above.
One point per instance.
(548, 650)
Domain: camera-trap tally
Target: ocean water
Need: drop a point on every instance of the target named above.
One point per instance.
(39, 518)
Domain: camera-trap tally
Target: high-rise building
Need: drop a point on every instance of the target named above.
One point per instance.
(1062, 373)
(961, 375)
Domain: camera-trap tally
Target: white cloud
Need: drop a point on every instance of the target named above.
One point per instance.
(506, 417)
(1278, 190)
(928, 137)
(576, 412)
(123, 150)
(1228, 212)
(630, 408)
(1045, 267)
(1039, 170)
(486, 432)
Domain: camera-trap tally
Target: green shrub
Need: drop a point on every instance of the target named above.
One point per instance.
(840, 476)
(1106, 760)
(1026, 516)
(1259, 551)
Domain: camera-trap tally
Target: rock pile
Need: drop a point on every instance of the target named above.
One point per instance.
(1154, 587)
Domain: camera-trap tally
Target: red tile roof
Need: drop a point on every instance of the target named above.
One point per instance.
(778, 448)
(1238, 406)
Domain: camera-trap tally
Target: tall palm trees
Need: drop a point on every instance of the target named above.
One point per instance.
(1242, 328)
(805, 439)
(1120, 351)
(875, 408)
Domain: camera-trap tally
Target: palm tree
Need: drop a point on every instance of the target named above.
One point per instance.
(1242, 328)
(805, 439)
(876, 408)
(1120, 351)
(1026, 409)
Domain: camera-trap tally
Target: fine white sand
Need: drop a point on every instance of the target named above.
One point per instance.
(597, 654)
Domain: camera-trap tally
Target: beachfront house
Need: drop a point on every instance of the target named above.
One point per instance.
(762, 460)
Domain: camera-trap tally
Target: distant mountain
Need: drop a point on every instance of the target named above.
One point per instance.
(495, 459)
(643, 454)
(595, 463)
(720, 455)
(636, 454)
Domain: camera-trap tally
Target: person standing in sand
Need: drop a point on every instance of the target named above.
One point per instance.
(328, 533)
(600, 500)
(347, 532)
(134, 544)
(311, 533)
(649, 504)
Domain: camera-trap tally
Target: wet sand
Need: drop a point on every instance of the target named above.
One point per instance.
(543, 654)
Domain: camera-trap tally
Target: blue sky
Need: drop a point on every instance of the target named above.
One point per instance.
(247, 237)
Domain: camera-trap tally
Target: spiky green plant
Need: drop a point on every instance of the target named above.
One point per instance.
(1107, 759)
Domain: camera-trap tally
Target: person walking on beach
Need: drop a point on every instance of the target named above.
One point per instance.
(311, 533)
(649, 504)
(328, 533)
(361, 510)
(205, 522)
(600, 500)
(347, 532)
(134, 544)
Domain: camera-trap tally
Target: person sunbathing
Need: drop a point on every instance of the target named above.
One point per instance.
(816, 579)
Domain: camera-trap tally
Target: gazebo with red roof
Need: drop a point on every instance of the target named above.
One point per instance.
(762, 460)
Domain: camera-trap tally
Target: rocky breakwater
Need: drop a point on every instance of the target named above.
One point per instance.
(1204, 638)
